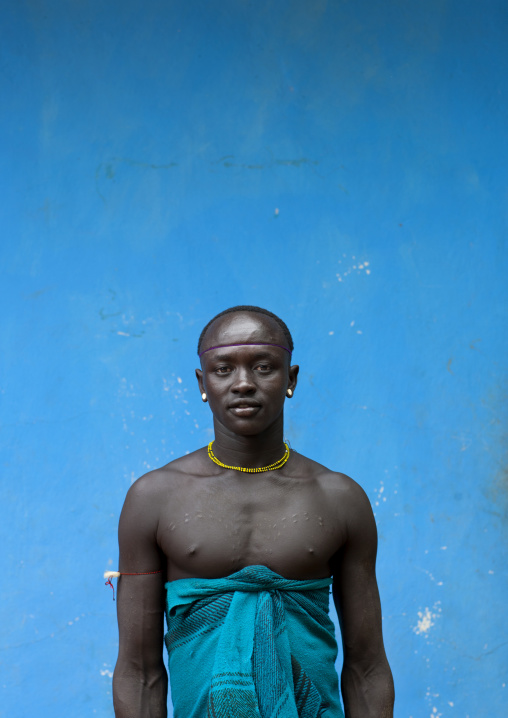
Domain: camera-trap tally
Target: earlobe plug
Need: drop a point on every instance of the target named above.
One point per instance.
(203, 396)
(289, 393)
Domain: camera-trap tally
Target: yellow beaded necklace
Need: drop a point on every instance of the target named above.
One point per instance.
(277, 465)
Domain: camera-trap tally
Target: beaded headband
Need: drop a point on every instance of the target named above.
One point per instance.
(247, 344)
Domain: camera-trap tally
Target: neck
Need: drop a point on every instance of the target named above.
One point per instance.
(250, 452)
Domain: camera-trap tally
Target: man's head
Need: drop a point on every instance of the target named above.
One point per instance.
(288, 339)
(245, 368)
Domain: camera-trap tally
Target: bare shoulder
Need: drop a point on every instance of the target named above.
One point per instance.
(334, 481)
(151, 490)
(342, 491)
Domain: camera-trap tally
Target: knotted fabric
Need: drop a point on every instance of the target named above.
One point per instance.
(251, 645)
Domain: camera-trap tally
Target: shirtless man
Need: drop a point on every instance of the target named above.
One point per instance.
(193, 518)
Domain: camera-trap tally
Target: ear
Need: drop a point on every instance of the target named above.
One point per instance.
(199, 377)
(293, 377)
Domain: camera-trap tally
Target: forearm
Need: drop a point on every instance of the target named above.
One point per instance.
(368, 691)
(140, 694)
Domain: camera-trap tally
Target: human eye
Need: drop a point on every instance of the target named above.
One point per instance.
(223, 370)
(263, 368)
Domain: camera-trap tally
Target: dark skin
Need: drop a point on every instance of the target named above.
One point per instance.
(193, 518)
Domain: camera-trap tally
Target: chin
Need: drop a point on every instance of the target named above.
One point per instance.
(249, 427)
(246, 428)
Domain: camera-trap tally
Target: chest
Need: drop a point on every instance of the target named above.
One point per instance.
(215, 526)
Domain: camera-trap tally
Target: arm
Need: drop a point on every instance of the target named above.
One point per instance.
(366, 681)
(140, 680)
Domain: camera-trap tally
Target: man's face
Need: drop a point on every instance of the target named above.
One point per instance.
(246, 385)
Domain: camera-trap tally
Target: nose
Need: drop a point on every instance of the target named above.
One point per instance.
(243, 383)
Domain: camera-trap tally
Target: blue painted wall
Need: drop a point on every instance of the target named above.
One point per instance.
(342, 163)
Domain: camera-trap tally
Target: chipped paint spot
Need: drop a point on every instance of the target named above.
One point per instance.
(425, 621)
(356, 268)
(379, 492)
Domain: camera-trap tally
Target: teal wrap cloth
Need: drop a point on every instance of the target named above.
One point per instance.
(251, 645)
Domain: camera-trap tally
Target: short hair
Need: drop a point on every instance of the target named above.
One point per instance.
(249, 308)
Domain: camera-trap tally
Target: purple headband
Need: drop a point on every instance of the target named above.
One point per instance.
(248, 344)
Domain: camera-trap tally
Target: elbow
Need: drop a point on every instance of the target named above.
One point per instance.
(369, 667)
(141, 673)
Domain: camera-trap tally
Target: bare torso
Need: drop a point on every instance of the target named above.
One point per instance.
(212, 522)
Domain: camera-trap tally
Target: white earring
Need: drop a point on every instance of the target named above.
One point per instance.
(289, 393)
(203, 396)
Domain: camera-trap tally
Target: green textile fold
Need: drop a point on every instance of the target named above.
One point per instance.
(251, 645)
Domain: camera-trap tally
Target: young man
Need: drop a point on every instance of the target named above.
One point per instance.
(246, 534)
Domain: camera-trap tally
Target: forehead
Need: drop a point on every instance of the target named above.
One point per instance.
(246, 327)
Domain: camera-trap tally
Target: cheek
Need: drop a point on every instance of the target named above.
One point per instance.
(215, 389)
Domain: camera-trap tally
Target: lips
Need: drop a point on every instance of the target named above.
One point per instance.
(244, 408)
(243, 403)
